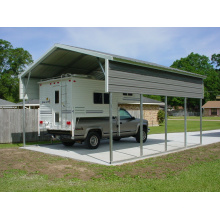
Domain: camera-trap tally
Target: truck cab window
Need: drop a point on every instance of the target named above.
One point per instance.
(124, 114)
(57, 97)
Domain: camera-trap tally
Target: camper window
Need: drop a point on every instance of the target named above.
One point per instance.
(56, 97)
(127, 94)
(106, 98)
(97, 98)
(57, 117)
(101, 98)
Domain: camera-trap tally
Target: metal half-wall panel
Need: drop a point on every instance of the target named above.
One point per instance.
(142, 80)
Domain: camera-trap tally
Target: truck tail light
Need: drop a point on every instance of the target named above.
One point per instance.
(68, 122)
(41, 122)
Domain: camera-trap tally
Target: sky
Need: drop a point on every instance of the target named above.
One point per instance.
(161, 45)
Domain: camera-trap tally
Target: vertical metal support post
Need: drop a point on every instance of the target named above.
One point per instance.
(119, 125)
(38, 119)
(24, 119)
(201, 121)
(61, 101)
(106, 74)
(165, 123)
(110, 128)
(24, 94)
(185, 122)
(141, 125)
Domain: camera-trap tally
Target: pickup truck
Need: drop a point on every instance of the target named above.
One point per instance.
(91, 130)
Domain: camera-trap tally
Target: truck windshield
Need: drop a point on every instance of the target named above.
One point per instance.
(124, 114)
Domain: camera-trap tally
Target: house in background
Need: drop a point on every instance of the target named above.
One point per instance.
(29, 104)
(150, 109)
(6, 104)
(211, 108)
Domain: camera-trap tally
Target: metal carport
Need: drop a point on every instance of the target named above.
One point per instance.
(121, 74)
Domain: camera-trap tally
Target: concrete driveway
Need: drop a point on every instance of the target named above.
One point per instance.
(128, 148)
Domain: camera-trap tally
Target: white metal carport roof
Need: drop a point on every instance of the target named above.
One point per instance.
(62, 58)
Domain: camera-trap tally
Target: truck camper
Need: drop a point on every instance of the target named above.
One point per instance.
(75, 108)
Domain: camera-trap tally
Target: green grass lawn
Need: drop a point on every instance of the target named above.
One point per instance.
(178, 126)
(192, 170)
(17, 145)
(194, 117)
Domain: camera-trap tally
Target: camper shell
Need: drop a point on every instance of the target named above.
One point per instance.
(75, 99)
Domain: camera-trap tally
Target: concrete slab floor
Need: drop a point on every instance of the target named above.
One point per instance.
(127, 149)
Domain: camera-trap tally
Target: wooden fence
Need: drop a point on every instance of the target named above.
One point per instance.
(11, 126)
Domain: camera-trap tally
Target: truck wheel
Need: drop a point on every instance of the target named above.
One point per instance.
(68, 144)
(144, 135)
(93, 140)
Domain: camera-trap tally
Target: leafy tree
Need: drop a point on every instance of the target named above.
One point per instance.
(199, 64)
(13, 61)
(161, 116)
(216, 60)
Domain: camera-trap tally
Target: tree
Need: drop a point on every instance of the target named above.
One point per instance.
(161, 116)
(13, 61)
(216, 60)
(199, 64)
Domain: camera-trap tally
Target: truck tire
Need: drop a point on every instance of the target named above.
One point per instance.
(68, 143)
(144, 135)
(92, 140)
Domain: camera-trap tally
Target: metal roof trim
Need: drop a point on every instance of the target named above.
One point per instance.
(85, 51)
(168, 69)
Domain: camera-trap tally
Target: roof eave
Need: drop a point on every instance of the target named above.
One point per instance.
(30, 68)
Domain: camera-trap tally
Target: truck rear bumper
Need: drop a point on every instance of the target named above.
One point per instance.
(64, 134)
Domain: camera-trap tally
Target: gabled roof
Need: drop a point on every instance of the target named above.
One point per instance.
(212, 104)
(30, 101)
(64, 59)
(4, 102)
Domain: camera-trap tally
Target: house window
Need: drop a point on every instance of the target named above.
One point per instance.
(101, 98)
(57, 97)
(127, 94)
(57, 117)
(213, 111)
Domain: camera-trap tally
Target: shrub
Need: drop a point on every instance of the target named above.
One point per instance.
(160, 116)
